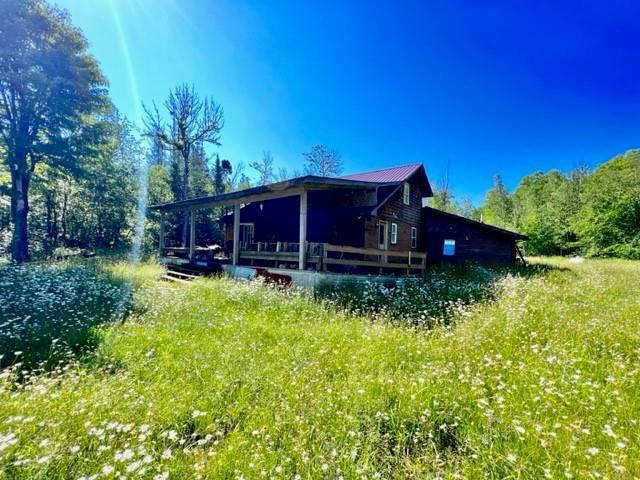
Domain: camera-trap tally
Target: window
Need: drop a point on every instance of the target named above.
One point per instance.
(414, 237)
(449, 248)
(246, 233)
(394, 233)
(406, 193)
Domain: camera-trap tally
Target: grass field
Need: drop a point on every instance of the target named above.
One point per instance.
(538, 379)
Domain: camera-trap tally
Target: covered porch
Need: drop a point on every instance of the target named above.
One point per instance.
(288, 229)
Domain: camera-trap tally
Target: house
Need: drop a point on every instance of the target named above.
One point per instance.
(371, 222)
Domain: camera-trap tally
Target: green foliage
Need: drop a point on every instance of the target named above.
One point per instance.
(65, 302)
(443, 200)
(498, 205)
(223, 380)
(52, 94)
(92, 207)
(590, 213)
(609, 221)
(420, 302)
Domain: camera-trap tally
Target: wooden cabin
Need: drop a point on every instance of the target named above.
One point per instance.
(454, 239)
(371, 222)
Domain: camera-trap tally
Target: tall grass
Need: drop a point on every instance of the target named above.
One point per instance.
(227, 380)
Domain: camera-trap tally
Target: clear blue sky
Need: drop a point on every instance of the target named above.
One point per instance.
(486, 87)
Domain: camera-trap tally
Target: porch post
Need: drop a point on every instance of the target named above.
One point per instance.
(161, 240)
(302, 256)
(236, 233)
(192, 237)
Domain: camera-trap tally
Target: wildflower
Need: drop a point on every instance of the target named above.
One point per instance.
(123, 456)
(167, 454)
(511, 457)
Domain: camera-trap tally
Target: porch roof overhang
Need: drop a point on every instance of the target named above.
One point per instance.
(294, 186)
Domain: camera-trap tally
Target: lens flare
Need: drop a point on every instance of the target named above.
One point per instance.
(143, 166)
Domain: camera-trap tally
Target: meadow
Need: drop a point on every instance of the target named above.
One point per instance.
(528, 373)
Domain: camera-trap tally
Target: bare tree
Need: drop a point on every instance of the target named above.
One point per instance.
(283, 174)
(194, 121)
(443, 198)
(239, 179)
(264, 167)
(323, 161)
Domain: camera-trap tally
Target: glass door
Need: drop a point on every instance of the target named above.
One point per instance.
(383, 233)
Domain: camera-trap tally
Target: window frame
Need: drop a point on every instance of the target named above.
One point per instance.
(393, 234)
(247, 233)
(406, 193)
(449, 242)
(414, 237)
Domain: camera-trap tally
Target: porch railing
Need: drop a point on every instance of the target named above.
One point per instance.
(325, 256)
(322, 256)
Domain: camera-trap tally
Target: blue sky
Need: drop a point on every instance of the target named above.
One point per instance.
(484, 87)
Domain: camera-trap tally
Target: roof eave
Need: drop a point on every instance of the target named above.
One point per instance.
(307, 182)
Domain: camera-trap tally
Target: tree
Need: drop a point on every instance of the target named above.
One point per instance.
(498, 207)
(443, 194)
(238, 179)
(194, 121)
(609, 220)
(222, 169)
(50, 88)
(264, 167)
(467, 209)
(323, 162)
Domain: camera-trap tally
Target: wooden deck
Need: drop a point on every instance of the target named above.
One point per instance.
(319, 257)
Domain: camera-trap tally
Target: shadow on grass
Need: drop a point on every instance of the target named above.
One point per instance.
(444, 292)
(48, 312)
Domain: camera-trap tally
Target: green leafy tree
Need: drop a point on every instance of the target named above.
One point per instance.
(609, 219)
(498, 206)
(222, 170)
(159, 191)
(50, 89)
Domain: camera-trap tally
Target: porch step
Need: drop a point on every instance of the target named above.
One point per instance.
(174, 279)
(179, 274)
(176, 275)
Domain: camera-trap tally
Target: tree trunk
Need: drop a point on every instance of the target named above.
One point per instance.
(19, 213)
(64, 216)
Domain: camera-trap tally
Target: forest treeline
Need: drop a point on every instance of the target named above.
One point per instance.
(71, 165)
(580, 212)
(72, 168)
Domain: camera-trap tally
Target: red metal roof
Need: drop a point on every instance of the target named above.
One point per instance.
(393, 174)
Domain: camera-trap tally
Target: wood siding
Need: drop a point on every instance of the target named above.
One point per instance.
(395, 211)
(474, 243)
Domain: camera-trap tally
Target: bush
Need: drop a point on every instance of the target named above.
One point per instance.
(442, 294)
